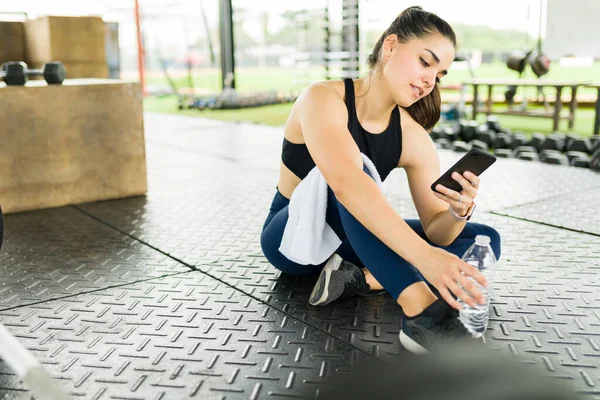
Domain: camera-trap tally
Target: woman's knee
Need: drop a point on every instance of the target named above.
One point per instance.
(270, 249)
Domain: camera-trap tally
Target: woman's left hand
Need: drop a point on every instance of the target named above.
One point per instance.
(460, 202)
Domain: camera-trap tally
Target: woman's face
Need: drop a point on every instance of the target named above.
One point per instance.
(412, 69)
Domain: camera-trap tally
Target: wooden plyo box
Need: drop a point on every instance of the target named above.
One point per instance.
(11, 41)
(79, 142)
(66, 39)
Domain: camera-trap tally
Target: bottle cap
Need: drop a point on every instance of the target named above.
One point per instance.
(482, 239)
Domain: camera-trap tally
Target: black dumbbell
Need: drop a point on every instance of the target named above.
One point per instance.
(536, 140)
(528, 153)
(442, 143)
(518, 139)
(13, 73)
(595, 141)
(16, 73)
(460, 147)
(438, 133)
(569, 137)
(486, 135)
(502, 141)
(578, 159)
(468, 130)
(580, 162)
(576, 154)
(595, 161)
(54, 73)
(503, 153)
(449, 133)
(479, 144)
(528, 156)
(493, 124)
(553, 157)
(578, 144)
(554, 141)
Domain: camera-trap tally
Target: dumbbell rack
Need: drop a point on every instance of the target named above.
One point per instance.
(555, 148)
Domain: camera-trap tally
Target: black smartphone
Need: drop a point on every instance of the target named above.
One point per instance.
(475, 161)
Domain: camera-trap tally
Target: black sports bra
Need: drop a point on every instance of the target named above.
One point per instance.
(384, 148)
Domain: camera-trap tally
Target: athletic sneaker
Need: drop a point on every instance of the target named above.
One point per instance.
(436, 325)
(339, 279)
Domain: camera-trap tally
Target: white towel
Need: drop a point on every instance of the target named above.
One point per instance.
(307, 238)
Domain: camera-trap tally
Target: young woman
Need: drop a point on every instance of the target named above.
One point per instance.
(385, 115)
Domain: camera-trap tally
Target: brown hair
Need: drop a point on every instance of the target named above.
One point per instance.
(415, 23)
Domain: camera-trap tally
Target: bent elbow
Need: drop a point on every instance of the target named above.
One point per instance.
(438, 241)
(337, 185)
(441, 243)
(339, 180)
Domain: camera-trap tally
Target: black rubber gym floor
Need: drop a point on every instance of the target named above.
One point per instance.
(168, 296)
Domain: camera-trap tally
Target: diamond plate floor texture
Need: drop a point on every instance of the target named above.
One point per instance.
(168, 296)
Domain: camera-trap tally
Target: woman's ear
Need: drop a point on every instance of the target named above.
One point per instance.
(389, 44)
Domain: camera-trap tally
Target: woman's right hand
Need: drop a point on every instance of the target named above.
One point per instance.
(445, 271)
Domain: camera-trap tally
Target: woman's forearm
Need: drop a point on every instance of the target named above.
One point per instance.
(366, 202)
(444, 229)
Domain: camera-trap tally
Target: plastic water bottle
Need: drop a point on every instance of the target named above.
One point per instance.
(481, 256)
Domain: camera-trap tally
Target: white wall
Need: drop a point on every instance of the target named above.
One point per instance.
(573, 28)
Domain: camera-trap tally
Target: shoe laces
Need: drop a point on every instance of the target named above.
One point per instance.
(356, 283)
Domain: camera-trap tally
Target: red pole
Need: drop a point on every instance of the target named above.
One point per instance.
(140, 47)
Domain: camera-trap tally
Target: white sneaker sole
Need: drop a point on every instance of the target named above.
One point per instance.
(411, 345)
(332, 264)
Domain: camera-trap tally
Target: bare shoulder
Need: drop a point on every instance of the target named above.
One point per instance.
(417, 146)
(318, 89)
(327, 96)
